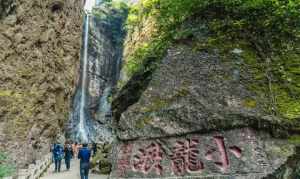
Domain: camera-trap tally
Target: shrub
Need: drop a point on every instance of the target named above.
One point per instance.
(268, 28)
(6, 167)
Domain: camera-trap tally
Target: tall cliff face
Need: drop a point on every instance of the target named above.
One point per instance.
(39, 57)
(196, 73)
(104, 62)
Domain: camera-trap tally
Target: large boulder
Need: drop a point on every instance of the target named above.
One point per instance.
(195, 92)
(196, 104)
(241, 154)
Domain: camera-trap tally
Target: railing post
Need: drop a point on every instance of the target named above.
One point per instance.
(23, 174)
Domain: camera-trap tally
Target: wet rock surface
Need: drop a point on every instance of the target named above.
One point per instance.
(39, 55)
(104, 62)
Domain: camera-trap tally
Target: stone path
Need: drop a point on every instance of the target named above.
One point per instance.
(72, 174)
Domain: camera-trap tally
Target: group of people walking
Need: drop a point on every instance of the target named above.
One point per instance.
(73, 150)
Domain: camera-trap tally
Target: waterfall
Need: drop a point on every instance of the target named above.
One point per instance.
(91, 117)
(89, 4)
(82, 132)
(82, 127)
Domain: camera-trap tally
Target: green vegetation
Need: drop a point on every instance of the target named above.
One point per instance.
(295, 139)
(156, 104)
(113, 14)
(142, 123)
(100, 162)
(6, 168)
(146, 56)
(267, 32)
(250, 103)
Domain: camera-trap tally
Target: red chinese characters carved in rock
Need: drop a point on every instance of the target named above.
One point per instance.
(185, 157)
(149, 159)
(124, 159)
(221, 153)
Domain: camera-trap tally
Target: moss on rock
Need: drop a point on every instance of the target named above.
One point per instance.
(295, 139)
(37, 75)
(141, 123)
(6, 166)
(101, 163)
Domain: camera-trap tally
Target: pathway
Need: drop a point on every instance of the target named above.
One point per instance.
(72, 174)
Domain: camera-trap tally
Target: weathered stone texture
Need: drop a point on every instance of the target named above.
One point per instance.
(39, 56)
(241, 153)
(194, 92)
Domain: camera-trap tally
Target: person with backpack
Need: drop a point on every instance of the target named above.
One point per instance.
(84, 155)
(68, 154)
(58, 153)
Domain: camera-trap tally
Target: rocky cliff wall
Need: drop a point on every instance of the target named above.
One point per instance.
(106, 37)
(191, 84)
(39, 57)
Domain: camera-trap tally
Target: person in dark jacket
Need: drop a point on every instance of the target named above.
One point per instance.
(94, 148)
(58, 153)
(84, 155)
(68, 155)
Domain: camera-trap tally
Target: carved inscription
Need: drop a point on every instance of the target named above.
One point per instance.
(223, 161)
(185, 157)
(148, 159)
(124, 156)
(193, 155)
